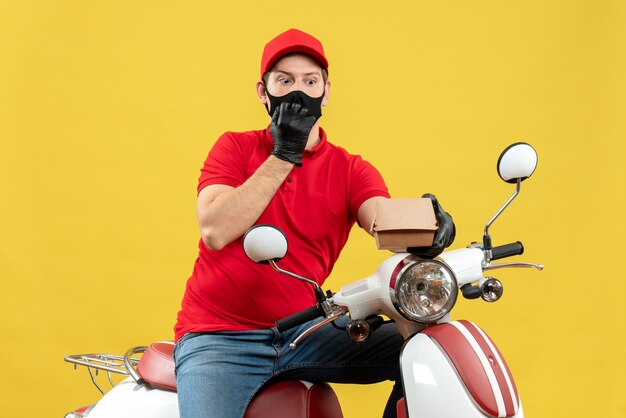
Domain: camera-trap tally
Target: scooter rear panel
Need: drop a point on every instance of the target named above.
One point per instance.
(130, 400)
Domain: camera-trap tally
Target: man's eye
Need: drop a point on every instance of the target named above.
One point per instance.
(310, 82)
(284, 81)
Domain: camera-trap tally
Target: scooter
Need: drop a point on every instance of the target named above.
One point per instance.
(449, 368)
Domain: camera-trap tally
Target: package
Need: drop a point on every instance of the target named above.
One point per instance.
(402, 223)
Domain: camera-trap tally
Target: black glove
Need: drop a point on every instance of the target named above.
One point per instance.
(444, 236)
(290, 127)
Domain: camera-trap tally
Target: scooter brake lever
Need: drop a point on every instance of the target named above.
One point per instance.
(332, 317)
(495, 266)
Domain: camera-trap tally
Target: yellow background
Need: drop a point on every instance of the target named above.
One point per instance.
(108, 108)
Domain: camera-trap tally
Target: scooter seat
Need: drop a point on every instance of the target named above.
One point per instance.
(156, 366)
(294, 398)
(280, 399)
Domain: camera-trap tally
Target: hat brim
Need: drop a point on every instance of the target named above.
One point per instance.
(292, 49)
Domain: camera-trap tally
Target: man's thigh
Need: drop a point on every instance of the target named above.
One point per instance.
(329, 355)
(218, 373)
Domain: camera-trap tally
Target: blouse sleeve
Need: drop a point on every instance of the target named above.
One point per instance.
(225, 163)
(365, 183)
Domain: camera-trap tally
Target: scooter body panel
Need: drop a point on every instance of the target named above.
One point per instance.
(130, 400)
(459, 384)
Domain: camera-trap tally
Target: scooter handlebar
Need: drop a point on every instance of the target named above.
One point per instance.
(507, 250)
(299, 318)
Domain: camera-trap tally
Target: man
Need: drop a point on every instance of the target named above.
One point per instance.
(290, 176)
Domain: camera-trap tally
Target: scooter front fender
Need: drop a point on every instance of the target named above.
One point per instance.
(455, 370)
(130, 400)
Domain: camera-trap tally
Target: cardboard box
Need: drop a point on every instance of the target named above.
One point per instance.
(402, 223)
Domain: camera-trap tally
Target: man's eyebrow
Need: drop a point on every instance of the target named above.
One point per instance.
(287, 73)
(282, 72)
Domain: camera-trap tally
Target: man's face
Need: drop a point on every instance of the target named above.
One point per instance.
(295, 72)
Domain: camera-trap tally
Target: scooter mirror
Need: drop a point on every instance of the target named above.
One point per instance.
(517, 161)
(263, 243)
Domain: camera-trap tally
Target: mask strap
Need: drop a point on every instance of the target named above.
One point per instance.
(267, 94)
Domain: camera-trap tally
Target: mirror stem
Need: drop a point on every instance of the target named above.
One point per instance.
(319, 293)
(486, 236)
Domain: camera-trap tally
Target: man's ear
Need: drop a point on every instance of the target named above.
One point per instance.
(326, 92)
(261, 92)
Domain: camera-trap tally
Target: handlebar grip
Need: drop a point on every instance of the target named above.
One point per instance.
(299, 318)
(507, 250)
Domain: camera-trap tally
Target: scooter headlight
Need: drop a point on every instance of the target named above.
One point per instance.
(424, 290)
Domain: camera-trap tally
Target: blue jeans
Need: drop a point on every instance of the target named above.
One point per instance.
(218, 373)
